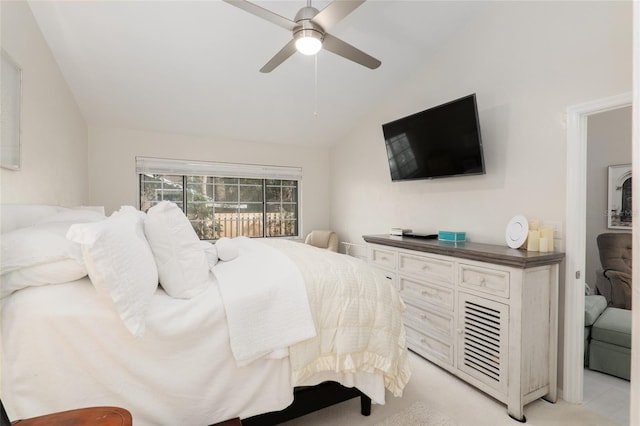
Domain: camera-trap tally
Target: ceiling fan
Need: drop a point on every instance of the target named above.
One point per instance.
(309, 29)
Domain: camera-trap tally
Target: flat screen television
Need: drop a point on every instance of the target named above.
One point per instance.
(438, 142)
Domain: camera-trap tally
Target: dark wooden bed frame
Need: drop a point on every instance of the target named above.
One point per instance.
(309, 399)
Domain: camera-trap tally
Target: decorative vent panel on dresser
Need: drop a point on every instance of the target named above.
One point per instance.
(483, 340)
(486, 313)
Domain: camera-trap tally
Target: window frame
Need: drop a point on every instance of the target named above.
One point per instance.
(185, 168)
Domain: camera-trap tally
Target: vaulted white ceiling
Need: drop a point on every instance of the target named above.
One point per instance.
(191, 67)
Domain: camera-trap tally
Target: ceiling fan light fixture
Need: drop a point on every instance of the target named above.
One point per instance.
(308, 42)
(309, 29)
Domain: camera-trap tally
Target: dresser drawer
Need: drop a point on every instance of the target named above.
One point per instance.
(429, 321)
(426, 267)
(383, 258)
(425, 294)
(430, 347)
(486, 280)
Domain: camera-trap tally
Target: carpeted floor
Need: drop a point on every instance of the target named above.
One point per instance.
(418, 414)
(435, 397)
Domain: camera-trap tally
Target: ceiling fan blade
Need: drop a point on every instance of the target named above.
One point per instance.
(335, 12)
(347, 51)
(284, 53)
(263, 13)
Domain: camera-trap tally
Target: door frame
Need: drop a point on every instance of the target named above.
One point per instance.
(575, 239)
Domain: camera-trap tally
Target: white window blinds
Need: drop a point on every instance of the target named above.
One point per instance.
(162, 166)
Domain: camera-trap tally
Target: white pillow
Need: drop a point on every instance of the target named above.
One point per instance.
(80, 215)
(57, 272)
(227, 249)
(39, 255)
(120, 263)
(211, 252)
(182, 264)
(36, 245)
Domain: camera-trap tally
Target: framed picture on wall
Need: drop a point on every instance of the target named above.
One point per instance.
(619, 203)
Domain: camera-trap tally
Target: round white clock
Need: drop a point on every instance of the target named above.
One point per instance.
(517, 231)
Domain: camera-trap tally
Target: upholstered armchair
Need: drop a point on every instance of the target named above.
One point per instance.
(613, 281)
(323, 239)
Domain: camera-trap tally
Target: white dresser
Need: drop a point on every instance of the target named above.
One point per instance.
(486, 313)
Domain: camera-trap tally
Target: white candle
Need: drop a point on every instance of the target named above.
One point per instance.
(544, 247)
(534, 225)
(533, 242)
(548, 234)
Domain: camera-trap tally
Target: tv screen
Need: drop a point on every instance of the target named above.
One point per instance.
(438, 142)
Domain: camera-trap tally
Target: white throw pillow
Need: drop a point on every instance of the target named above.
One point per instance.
(227, 249)
(41, 254)
(36, 245)
(182, 264)
(120, 263)
(57, 272)
(79, 215)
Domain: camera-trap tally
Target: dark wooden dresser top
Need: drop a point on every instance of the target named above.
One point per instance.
(500, 255)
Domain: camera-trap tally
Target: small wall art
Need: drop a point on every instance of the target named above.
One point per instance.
(619, 213)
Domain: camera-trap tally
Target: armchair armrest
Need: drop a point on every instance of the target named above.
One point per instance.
(620, 288)
(603, 285)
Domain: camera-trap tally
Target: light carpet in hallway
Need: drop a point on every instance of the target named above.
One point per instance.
(418, 414)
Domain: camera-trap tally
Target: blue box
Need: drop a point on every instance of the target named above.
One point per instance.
(451, 236)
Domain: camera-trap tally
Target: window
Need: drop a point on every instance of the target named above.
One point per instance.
(219, 205)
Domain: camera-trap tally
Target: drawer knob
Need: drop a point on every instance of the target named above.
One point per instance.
(483, 281)
(423, 316)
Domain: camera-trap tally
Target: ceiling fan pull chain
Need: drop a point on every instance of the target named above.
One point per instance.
(315, 86)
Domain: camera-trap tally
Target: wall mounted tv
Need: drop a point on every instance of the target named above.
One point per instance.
(438, 142)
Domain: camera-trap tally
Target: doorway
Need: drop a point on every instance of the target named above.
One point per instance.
(573, 347)
(608, 210)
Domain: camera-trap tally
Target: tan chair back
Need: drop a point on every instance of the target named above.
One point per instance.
(323, 239)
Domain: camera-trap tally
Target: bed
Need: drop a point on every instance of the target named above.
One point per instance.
(84, 327)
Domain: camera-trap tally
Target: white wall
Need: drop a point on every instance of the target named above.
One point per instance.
(54, 133)
(608, 143)
(113, 181)
(527, 62)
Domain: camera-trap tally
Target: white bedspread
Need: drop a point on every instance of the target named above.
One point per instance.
(264, 294)
(357, 315)
(63, 347)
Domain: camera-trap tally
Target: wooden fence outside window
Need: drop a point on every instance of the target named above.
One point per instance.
(245, 224)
